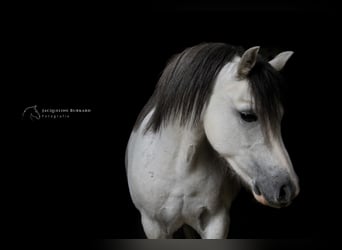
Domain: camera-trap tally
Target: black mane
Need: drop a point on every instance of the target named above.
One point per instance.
(187, 81)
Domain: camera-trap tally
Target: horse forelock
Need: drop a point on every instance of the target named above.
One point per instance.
(186, 84)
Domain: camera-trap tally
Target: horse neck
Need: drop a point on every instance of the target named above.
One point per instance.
(187, 142)
(186, 135)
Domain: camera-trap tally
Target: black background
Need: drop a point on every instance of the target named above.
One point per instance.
(68, 179)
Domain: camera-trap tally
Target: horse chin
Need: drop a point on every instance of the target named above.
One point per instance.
(262, 200)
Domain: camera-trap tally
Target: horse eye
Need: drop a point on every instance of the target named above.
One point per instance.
(248, 116)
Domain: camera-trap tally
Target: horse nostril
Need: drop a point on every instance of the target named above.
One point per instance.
(283, 194)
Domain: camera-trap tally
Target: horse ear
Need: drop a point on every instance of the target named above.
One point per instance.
(279, 61)
(247, 62)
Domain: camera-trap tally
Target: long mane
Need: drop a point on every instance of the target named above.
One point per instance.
(187, 81)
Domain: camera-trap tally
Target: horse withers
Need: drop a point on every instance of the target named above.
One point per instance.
(212, 124)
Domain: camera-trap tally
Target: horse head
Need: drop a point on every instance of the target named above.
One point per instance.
(242, 122)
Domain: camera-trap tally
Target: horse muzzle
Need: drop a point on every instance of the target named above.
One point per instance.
(276, 192)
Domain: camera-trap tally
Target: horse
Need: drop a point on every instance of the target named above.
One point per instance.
(211, 127)
(31, 113)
